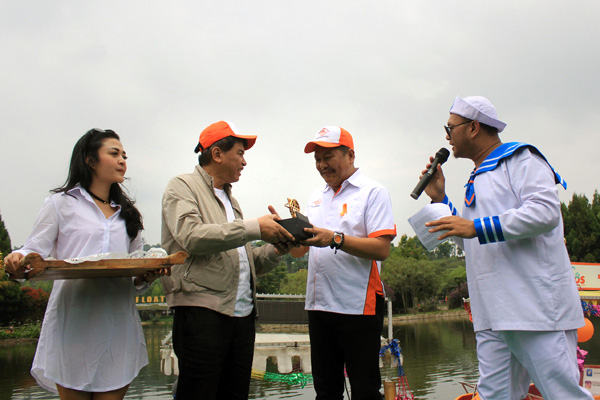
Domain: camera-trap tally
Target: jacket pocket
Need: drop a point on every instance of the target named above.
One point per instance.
(213, 272)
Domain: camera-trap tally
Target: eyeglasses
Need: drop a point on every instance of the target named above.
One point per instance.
(449, 128)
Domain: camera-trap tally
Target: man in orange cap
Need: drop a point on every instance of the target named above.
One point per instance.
(353, 228)
(214, 292)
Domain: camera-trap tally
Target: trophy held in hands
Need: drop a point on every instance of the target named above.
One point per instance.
(297, 223)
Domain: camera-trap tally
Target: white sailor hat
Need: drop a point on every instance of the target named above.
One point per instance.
(477, 108)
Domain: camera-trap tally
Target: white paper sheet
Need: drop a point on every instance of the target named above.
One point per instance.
(430, 212)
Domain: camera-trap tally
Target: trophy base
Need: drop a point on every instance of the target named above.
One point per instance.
(296, 226)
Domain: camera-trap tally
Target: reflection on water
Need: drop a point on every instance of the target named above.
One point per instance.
(437, 355)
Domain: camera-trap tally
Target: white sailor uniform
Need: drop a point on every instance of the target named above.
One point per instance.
(523, 295)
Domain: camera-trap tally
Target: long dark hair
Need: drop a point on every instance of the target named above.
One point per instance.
(85, 153)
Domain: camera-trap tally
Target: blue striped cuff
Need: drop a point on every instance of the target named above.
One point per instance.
(489, 230)
(447, 201)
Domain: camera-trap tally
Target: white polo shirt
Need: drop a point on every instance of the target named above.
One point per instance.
(343, 283)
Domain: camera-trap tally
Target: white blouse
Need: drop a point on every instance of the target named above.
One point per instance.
(91, 338)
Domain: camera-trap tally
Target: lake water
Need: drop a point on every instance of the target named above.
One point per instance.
(437, 355)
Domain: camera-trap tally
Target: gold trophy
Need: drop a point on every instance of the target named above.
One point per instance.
(297, 223)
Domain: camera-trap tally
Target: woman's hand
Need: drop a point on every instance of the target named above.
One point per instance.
(12, 263)
(151, 276)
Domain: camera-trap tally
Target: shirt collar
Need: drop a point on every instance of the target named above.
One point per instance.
(85, 194)
(210, 181)
(354, 180)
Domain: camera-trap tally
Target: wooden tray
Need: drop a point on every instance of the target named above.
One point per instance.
(50, 270)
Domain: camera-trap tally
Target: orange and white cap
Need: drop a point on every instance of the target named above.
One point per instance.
(330, 136)
(219, 130)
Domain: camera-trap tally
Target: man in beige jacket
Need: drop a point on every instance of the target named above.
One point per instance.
(214, 292)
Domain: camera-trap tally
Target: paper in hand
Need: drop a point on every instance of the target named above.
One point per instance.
(430, 212)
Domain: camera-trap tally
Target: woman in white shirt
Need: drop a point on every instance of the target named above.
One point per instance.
(91, 345)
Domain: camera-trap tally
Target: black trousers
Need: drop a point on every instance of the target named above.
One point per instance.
(353, 340)
(215, 354)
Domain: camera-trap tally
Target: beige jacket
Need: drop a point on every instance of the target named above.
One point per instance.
(194, 220)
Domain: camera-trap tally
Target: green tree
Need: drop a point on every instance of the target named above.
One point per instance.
(417, 278)
(46, 286)
(5, 247)
(10, 298)
(410, 248)
(294, 264)
(453, 278)
(413, 281)
(582, 228)
(32, 305)
(443, 250)
(155, 289)
(149, 246)
(270, 283)
(294, 283)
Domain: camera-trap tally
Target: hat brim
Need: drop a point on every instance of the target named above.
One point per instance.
(312, 146)
(250, 141)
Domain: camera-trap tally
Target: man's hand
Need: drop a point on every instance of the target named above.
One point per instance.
(436, 190)
(456, 226)
(271, 231)
(322, 237)
(282, 248)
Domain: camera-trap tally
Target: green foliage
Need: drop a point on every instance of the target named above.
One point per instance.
(410, 248)
(582, 228)
(46, 286)
(294, 283)
(155, 289)
(20, 304)
(150, 246)
(5, 247)
(270, 282)
(455, 297)
(10, 298)
(413, 281)
(446, 250)
(28, 330)
(33, 304)
(294, 264)
(443, 250)
(416, 278)
(453, 276)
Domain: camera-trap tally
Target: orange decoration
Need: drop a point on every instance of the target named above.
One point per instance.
(586, 332)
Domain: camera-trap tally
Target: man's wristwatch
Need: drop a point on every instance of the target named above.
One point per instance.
(337, 241)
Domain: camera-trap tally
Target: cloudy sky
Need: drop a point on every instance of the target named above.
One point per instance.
(158, 72)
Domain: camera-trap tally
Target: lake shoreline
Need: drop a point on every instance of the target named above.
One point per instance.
(396, 319)
(294, 328)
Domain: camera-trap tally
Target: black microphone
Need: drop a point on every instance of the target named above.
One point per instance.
(440, 157)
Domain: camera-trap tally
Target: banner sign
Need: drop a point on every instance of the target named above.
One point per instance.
(587, 276)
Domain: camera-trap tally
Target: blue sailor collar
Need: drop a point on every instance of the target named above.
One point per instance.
(505, 150)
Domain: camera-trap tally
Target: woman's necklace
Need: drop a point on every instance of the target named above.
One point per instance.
(97, 198)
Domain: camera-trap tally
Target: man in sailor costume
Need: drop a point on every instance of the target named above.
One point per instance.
(524, 300)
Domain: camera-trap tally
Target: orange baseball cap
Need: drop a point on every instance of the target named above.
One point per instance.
(330, 136)
(219, 130)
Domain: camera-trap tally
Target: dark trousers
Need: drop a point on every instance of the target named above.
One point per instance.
(354, 340)
(215, 354)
